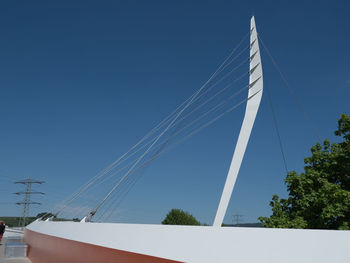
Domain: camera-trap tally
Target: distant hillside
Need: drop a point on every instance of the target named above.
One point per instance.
(12, 221)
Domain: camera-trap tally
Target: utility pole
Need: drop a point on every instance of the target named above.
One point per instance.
(26, 201)
(236, 218)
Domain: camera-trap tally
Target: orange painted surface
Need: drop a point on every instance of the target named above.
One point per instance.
(49, 249)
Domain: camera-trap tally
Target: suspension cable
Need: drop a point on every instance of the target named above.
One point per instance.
(291, 91)
(107, 169)
(277, 129)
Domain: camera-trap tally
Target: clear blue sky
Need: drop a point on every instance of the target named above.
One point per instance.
(82, 81)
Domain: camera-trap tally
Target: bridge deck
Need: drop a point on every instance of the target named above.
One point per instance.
(2, 250)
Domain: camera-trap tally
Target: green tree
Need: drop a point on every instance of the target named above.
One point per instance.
(180, 217)
(319, 198)
(44, 215)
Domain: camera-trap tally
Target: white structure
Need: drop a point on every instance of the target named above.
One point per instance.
(195, 244)
(70, 242)
(254, 98)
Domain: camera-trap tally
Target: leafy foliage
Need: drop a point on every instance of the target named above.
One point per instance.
(11, 221)
(319, 198)
(44, 215)
(180, 217)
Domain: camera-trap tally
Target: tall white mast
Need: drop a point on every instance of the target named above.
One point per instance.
(253, 102)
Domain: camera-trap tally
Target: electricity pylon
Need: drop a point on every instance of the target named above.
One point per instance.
(237, 217)
(26, 201)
